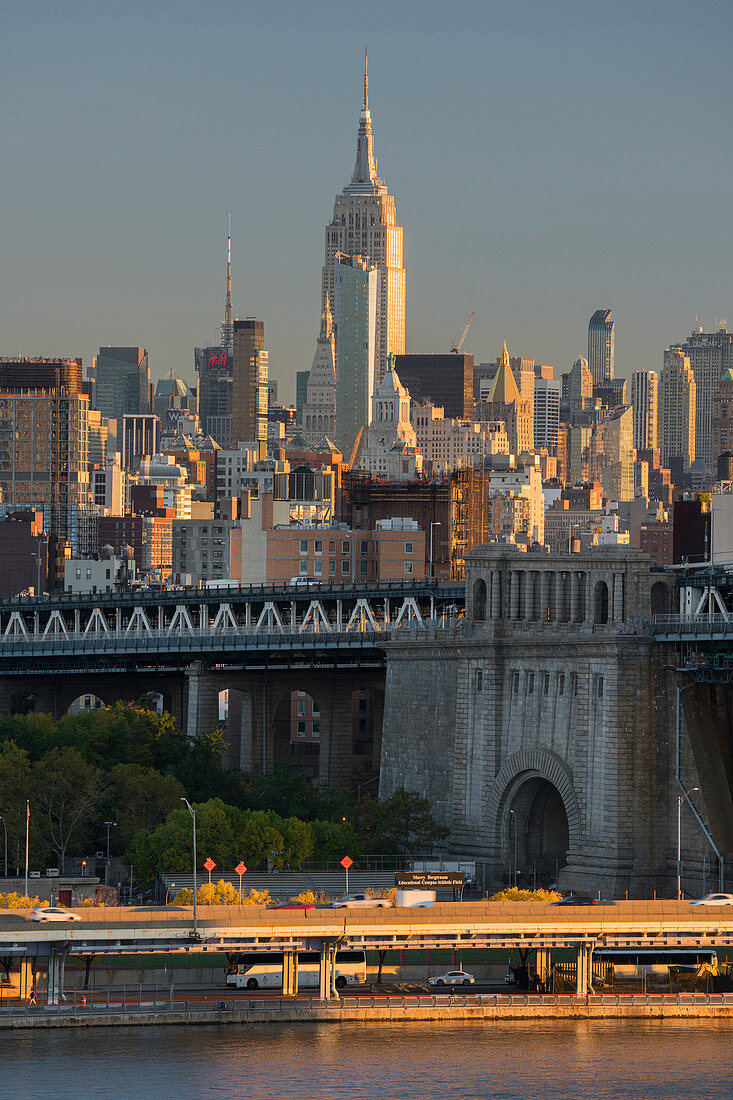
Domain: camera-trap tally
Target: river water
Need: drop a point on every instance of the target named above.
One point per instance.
(520, 1060)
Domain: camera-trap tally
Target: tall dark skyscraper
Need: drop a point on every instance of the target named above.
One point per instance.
(215, 366)
(601, 346)
(121, 382)
(249, 382)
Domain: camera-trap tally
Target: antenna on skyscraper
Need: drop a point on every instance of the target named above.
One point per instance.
(226, 327)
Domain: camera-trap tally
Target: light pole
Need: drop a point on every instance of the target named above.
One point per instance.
(193, 817)
(168, 890)
(435, 523)
(110, 825)
(514, 817)
(6, 844)
(680, 799)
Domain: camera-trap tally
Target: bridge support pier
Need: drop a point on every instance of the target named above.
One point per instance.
(55, 988)
(25, 984)
(290, 974)
(327, 971)
(202, 712)
(583, 977)
(543, 965)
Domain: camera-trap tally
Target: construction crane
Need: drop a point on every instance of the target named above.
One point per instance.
(456, 347)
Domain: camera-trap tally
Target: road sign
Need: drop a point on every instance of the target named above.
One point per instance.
(240, 869)
(209, 865)
(429, 880)
(346, 862)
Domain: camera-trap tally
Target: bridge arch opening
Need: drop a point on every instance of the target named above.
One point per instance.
(659, 596)
(538, 813)
(88, 701)
(479, 600)
(22, 702)
(297, 730)
(600, 603)
(235, 718)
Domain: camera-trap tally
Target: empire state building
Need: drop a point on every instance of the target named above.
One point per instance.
(365, 224)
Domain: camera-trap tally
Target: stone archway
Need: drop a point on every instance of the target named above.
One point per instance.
(534, 792)
(297, 733)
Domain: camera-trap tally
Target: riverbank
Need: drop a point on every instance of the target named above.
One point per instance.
(391, 1010)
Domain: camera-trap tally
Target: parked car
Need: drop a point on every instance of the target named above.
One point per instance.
(293, 905)
(575, 899)
(714, 899)
(361, 901)
(50, 912)
(452, 977)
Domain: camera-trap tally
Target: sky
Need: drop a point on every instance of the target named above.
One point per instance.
(547, 160)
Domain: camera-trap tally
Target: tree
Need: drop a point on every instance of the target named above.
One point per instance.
(403, 820)
(67, 793)
(15, 789)
(334, 840)
(140, 798)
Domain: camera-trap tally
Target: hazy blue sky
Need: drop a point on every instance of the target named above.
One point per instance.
(547, 160)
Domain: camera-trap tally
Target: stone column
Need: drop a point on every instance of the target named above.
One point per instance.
(528, 595)
(514, 594)
(544, 596)
(588, 599)
(202, 711)
(55, 987)
(495, 594)
(574, 595)
(618, 597)
(290, 974)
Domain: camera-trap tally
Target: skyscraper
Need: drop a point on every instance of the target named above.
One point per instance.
(710, 355)
(677, 401)
(644, 397)
(319, 409)
(365, 223)
(601, 346)
(249, 382)
(121, 382)
(215, 367)
(546, 412)
(356, 304)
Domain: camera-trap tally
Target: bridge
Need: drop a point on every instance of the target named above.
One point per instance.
(234, 930)
(260, 644)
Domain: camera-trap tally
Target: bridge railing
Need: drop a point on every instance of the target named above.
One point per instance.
(703, 624)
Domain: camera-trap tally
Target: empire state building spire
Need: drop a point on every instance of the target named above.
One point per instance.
(365, 180)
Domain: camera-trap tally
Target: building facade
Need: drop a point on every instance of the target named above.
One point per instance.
(215, 369)
(677, 409)
(440, 380)
(601, 346)
(644, 401)
(365, 223)
(356, 285)
(317, 416)
(546, 412)
(710, 355)
(121, 382)
(250, 376)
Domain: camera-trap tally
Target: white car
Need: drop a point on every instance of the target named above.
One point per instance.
(361, 901)
(714, 899)
(50, 913)
(452, 977)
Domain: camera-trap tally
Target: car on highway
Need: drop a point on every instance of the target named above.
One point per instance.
(361, 901)
(50, 912)
(575, 899)
(452, 977)
(293, 905)
(714, 899)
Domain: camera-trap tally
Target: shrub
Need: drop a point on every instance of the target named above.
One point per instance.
(514, 893)
(21, 901)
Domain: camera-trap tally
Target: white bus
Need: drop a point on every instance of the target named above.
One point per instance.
(635, 964)
(264, 970)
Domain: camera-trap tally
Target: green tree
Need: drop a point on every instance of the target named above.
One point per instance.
(140, 798)
(334, 840)
(15, 789)
(403, 821)
(67, 792)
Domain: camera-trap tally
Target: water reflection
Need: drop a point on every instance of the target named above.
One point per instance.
(517, 1061)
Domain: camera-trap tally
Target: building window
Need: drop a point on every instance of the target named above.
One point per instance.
(301, 729)
(318, 568)
(318, 546)
(301, 707)
(515, 683)
(408, 547)
(574, 683)
(303, 568)
(363, 568)
(344, 547)
(304, 546)
(332, 568)
(599, 687)
(316, 730)
(78, 574)
(478, 679)
(344, 569)
(408, 567)
(546, 683)
(530, 683)
(364, 546)
(561, 684)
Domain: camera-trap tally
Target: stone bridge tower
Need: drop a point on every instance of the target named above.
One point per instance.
(533, 728)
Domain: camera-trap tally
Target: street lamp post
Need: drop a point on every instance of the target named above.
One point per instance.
(680, 799)
(168, 890)
(193, 818)
(6, 844)
(514, 817)
(110, 825)
(435, 523)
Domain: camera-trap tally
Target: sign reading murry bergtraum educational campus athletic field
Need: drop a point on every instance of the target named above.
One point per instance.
(429, 879)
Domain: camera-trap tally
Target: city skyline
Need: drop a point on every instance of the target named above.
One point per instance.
(516, 202)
